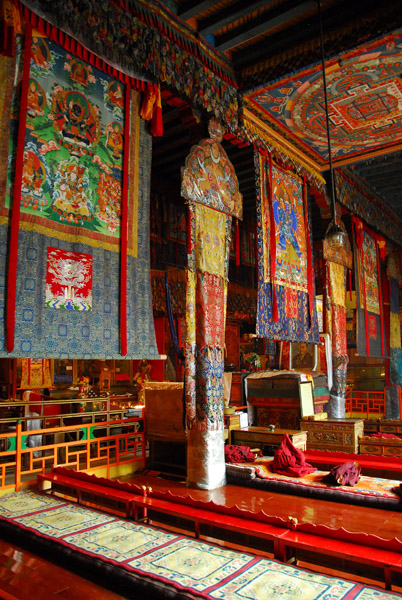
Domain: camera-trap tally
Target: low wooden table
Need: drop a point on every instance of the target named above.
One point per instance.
(338, 435)
(261, 437)
(380, 446)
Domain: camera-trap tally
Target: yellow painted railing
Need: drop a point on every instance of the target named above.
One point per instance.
(86, 447)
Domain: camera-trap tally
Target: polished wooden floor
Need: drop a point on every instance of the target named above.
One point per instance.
(384, 523)
(26, 576)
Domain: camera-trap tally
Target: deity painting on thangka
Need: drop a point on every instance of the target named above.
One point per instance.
(73, 153)
(288, 212)
(287, 310)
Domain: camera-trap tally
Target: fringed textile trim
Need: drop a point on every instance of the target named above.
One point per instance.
(152, 105)
(362, 201)
(265, 142)
(140, 38)
(159, 16)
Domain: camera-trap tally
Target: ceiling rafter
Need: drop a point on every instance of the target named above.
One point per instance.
(230, 15)
(192, 9)
(241, 35)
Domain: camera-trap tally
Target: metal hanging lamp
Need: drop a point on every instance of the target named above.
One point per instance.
(335, 236)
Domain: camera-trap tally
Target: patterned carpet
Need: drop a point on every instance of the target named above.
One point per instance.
(369, 491)
(168, 565)
(366, 486)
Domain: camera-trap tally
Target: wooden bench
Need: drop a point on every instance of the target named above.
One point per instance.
(388, 560)
(140, 506)
(242, 525)
(366, 550)
(78, 486)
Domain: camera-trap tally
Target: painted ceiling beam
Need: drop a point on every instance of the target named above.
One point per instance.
(300, 34)
(191, 9)
(230, 14)
(264, 26)
(384, 167)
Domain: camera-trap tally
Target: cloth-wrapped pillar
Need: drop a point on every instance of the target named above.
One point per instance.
(211, 189)
(336, 294)
(395, 352)
(205, 339)
(338, 261)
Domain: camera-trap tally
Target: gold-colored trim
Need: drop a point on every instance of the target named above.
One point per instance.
(271, 137)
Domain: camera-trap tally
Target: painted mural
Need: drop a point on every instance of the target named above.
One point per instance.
(286, 300)
(364, 89)
(73, 154)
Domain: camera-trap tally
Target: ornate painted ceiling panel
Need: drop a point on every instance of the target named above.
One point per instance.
(364, 90)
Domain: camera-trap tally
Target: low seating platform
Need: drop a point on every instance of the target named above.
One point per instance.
(388, 467)
(286, 539)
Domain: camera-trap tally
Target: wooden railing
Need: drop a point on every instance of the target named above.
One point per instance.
(365, 403)
(360, 402)
(85, 447)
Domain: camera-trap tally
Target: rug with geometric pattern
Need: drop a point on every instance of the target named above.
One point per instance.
(153, 563)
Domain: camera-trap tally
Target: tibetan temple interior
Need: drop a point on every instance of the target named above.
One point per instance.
(200, 299)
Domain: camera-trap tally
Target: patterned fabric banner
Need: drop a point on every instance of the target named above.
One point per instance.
(35, 373)
(369, 302)
(395, 365)
(336, 318)
(286, 255)
(68, 280)
(146, 37)
(337, 284)
(73, 153)
(71, 204)
(205, 316)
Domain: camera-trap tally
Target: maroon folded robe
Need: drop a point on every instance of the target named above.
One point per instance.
(289, 460)
(235, 454)
(346, 474)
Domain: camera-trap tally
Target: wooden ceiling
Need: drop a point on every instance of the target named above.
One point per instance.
(267, 41)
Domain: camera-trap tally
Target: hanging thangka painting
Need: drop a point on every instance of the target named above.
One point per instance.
(369, 303)
(73, 154)
(70, 223)
(286, 307)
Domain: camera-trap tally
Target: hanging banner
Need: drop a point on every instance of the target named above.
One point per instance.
(395, 366)
(73, 152)
(369, 303)
(205, 317)
(286, 307)
(77, 212)
(35, 374)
